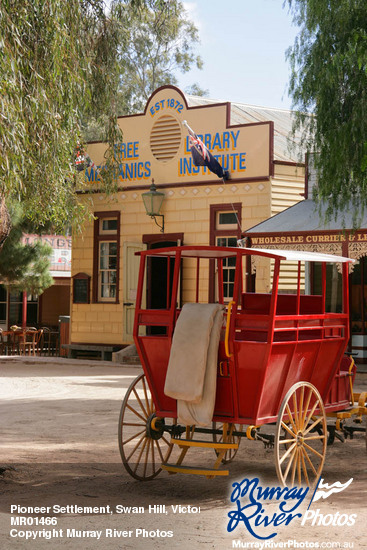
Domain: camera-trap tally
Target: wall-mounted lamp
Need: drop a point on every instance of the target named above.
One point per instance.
(152, 200)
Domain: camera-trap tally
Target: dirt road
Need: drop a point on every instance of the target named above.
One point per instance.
(59, 451)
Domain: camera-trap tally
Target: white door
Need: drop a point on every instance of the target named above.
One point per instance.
(130, 284)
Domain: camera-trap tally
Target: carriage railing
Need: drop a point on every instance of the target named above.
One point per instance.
(290, 327)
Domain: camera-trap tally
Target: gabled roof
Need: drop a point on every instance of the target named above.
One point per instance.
(285, 149)
(305, 216)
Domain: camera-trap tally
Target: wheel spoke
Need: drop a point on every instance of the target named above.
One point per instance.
(159, 450)
(165, 440)
(288, 451)
(309, 460)
(313, 450)
(312, 411)
(304, 466)
(317, 421)
(137, 447)
(286, 427)
(306, 406)
(289, 464)
(136, 424)
(295, 410)
(301, 420)
(303, 436)
(140, 455)
(146, 456)
(313, 437)
(133, 436)
(291, 418)
(140, 403)
(153, 458)
(149, 407)
(294, 466)
(226, 435)
(284, 441)
(135, 412)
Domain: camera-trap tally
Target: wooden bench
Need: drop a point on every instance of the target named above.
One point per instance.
(105, 350)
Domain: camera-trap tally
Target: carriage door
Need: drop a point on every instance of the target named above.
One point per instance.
(130, 274)
(159, 280)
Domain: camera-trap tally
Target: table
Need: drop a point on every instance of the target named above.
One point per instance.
(11, 341)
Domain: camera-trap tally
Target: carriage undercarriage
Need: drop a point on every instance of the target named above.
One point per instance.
(147, 448)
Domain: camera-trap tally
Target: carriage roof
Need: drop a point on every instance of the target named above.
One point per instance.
(217, 252)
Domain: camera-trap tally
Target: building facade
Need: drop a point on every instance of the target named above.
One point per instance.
(27, 309)
(198, 207)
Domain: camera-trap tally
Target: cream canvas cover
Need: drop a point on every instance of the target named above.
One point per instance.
(192, 368)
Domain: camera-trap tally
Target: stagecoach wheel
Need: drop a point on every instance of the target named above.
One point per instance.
(301, 436)
(143, 443)
(230, 453)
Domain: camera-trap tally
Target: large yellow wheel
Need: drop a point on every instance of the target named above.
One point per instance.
(143, 443)
(219, 438)
(301, 436)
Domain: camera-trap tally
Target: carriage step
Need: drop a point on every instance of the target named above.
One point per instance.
(178, 469)
(208, 444)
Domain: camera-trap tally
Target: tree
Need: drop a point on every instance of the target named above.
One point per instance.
(329, 80)
(24, 267)
(59, 67)
(45, 87)
(155, 42)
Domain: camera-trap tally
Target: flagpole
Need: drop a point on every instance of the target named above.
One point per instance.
(190, 130)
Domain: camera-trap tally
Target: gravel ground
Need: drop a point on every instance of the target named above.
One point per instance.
(59, 449)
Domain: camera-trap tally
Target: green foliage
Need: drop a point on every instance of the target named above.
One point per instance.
(56, 62)
(24, 266)
(329, 79)
(155, 42)
(65, 63)
(195, 89)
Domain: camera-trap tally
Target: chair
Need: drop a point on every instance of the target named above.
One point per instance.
(8, 342)
(45, 342)
(1, 342)
(29, 343)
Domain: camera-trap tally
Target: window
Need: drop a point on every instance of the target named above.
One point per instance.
(106, 257)
(226, 220)
(81, 288)
(358, 297)
(229, 267)
(107, 269)
(16, 309)
(334, 287)
(225, 229)
(3, 305)
(108, 226)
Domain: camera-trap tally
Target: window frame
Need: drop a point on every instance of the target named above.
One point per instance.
(226, 230)
(103, 235)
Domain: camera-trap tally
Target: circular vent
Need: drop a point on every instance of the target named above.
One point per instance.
(165, 138)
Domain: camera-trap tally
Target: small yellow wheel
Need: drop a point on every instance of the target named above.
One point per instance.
(301, 436)
(230, 453)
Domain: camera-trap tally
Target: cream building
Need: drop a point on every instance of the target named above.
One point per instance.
(198, 207)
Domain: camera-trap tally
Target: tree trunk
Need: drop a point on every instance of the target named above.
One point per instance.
(5, 222)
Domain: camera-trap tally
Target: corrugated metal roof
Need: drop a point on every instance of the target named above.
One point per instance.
(285, 148)
(305, 216)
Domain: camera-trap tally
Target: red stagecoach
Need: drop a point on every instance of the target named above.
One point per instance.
(279, 367)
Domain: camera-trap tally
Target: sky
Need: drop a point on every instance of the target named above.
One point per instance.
(243, 45)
